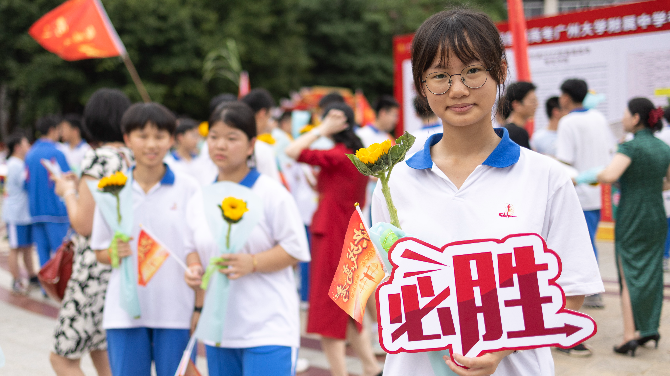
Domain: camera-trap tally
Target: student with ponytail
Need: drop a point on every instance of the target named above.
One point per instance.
(642, 167)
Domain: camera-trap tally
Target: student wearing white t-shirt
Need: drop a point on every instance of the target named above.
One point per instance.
(585, 141)
(73, 145)
(261, 333)
(169, 308)
(183, 157)
(664, 135)
(16, 213)
(544, 140)
(456, 187)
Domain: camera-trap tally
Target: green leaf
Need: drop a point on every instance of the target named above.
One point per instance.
(362, 167)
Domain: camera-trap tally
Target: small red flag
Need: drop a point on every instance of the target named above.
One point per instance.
(150, 257)
(364, 113)
(76, 30)
(360, 270)
(245, 85)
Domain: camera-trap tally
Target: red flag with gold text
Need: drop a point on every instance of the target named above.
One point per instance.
(150, 257)
(359, 272)
(76, 30)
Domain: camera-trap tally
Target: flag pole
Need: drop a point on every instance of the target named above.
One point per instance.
(135, 77)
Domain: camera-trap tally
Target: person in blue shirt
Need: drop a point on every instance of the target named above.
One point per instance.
(48, 213)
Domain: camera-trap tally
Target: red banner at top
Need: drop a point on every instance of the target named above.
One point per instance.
(76, 30)
(619, 20)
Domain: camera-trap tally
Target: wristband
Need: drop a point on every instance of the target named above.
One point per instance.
(197, 309)
(255, 262)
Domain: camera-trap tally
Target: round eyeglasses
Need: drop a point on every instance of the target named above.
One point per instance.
(439, 82)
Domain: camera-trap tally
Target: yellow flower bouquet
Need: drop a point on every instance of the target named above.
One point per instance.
(114, 184)
(267, 138)
(378, 160)
(232, 211)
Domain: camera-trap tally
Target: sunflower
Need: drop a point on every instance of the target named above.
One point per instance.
(372, 153)
(233, 209)
(267, 138)
(114, 181)
(203, 129)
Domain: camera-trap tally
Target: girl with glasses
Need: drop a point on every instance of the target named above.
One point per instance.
(472, 182)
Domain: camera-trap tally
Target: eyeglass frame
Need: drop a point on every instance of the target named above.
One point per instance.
(451, 83)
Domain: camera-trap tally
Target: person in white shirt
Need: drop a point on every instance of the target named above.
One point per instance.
(459, 184)
(183, 157)
(16, 213)
(585, 141)
(544, 140)
(261, 332)
(73, 145)
(169, 308)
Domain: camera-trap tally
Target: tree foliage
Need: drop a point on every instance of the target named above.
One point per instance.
(283, 44)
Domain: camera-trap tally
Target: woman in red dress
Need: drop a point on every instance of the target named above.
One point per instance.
(340, 186)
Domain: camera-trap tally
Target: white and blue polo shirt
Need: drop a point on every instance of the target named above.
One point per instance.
(166, 301)
(515, 190)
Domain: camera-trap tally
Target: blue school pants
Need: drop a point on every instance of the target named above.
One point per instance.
(252, 361)
(592, 219)
(132, 350)
(666, 254)
(304, 273)
(48, 236)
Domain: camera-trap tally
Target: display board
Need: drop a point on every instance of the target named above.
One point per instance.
(622, 51)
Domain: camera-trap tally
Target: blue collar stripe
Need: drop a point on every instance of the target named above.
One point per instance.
(431, 126)
(248, 180)
(167, 179)
(505, 154)
(581, 109)
(175, 155)
(251, 178)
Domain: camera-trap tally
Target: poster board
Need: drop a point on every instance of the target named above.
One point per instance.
(622, 51)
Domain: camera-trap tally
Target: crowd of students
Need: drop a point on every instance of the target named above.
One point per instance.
(461, 169)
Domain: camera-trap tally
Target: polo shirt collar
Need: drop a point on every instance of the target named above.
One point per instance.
(581, 109)
(505, 154)
(168, 177)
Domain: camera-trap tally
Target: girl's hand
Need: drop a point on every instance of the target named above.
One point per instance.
(193, 276)
(480, 366)
(237, 265)
(65, 183)
(123, 248)
(334, 122)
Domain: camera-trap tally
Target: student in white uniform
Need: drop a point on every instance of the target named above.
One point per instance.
(261, 334)
(73, 145)
(430, 124)
(457, 186)
(183, 157)
(169, 308)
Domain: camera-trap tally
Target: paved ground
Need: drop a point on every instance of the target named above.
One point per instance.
(26, 325)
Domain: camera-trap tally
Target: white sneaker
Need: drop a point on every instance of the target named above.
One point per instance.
(301, 365)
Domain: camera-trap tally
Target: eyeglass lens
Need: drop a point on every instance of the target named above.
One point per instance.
(473, 76)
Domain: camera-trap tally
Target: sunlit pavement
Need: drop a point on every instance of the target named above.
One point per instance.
(26, 327)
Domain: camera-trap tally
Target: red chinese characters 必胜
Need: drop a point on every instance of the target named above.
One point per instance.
(475, 297)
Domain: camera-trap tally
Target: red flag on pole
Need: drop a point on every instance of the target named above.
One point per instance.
(76, 30)
(359, 272)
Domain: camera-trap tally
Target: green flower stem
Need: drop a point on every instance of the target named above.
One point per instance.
(114, 250)
(230, 226)
(387, 195)
(211, 268)
(118, 206)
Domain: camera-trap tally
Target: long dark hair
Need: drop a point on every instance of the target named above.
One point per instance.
(348, 136)
(643, 107)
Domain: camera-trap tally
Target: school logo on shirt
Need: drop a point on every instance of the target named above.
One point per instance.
(174, 206)
(508, 212)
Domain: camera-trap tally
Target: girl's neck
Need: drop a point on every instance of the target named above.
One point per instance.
(235, 175)
(468, 141)
(183, 153)
(147, 177)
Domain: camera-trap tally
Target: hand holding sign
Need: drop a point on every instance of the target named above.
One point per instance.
(476, 297)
